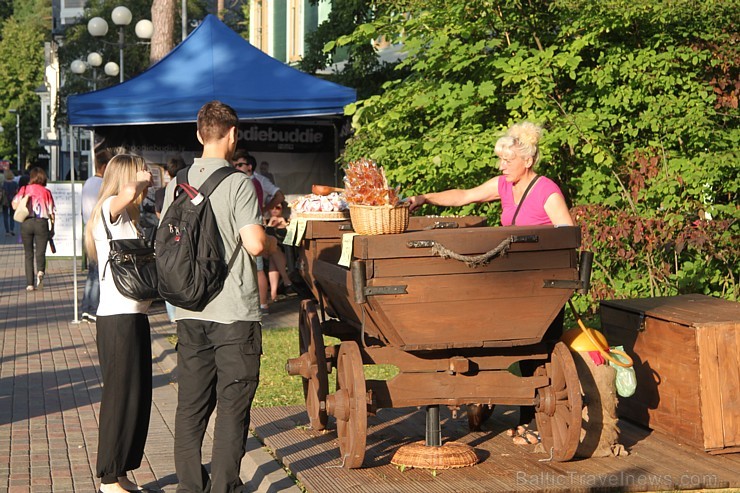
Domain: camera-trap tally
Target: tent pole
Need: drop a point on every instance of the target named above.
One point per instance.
(74, 222)
(336, 153)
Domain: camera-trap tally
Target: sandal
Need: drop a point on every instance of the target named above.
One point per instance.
(516, 432)
(529, 437)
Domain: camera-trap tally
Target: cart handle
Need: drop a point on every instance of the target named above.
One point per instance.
(598, 345)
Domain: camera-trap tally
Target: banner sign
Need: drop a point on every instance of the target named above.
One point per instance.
(272, 137)
(63, 197)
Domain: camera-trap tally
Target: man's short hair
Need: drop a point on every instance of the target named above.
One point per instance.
(102, 156)
(215, 119)
(239, 154)
(243, 154)
(175, 164)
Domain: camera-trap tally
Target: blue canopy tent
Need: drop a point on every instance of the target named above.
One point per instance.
(159, 107)
(212, 63)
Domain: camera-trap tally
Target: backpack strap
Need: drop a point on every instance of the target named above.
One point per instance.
(206, 189)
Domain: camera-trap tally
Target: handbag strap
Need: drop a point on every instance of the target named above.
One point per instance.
(524, 196)
(105, 225)
(107, 231)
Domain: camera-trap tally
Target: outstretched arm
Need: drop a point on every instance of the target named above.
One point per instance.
(486, 192)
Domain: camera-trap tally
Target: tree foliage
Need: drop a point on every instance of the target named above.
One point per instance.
(22, 60)
(360, 65)
(640, 100)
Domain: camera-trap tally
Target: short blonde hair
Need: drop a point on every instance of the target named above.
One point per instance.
(521, 139)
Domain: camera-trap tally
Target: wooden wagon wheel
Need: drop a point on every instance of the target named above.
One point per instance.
(349, 405)
(311, 344)
(559, 405)
(477, 415)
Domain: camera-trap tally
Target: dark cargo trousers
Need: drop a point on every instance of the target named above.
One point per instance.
(217, 368)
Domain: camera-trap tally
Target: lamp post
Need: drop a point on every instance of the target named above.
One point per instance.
(17, 114)
(94, 60)
(121, 17)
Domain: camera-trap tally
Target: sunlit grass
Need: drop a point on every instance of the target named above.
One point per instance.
(277, 388)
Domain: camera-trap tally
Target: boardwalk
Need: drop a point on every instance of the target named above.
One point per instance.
(656, 462)
(50, 392)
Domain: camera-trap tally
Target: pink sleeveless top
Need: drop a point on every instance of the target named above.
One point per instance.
(532, 212)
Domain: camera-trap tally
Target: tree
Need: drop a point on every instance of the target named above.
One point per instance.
(640, 102)
(361, 69)
(22, 59)
(163, 18)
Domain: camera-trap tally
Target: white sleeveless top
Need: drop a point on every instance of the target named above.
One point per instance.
(112, 302)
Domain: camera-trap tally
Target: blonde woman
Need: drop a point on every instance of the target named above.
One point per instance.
(518, 154)
(123, 330)
(526, 200)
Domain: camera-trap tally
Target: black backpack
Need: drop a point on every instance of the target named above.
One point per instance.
(189, 247)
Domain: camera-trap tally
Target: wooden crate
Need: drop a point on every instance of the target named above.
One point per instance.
(687, 361)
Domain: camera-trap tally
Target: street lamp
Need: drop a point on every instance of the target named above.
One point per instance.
(121, 16)
(94, 60)
(17, 114)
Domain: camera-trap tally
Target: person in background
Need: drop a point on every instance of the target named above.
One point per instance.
(219, 348)
(265, 171)
(241, 161)
(90, 192)
(278, 264)
(272, 195)
(277, 217)
(38, 226)
(174, 164)
(123, 331)
(24, 179)
(9, 189)
(526, 200)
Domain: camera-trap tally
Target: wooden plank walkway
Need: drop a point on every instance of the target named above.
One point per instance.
(655, 461)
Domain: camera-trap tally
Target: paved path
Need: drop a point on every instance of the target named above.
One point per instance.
(50, 389)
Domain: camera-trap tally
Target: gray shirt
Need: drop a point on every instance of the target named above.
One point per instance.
(234, 203)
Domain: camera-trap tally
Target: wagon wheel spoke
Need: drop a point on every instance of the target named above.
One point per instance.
(349, 405)
(316, 387)
(559, 411)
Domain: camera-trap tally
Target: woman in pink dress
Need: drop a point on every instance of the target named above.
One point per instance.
(527, 199)
(38, 227)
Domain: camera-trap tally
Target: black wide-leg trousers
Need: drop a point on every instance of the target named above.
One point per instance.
(125, 354)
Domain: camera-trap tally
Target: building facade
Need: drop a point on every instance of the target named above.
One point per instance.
(279, 27)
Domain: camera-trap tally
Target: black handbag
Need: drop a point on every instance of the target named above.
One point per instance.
(132, 264)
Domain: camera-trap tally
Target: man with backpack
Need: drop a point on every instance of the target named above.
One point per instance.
(219, 345)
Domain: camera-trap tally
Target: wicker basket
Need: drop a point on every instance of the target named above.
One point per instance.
(379, 219)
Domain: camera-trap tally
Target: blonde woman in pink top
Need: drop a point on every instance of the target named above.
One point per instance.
(518, 154)
(526, 200)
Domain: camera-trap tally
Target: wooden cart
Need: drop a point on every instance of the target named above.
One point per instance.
(452, 330)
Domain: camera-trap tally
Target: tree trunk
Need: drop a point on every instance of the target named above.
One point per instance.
(163, 18)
